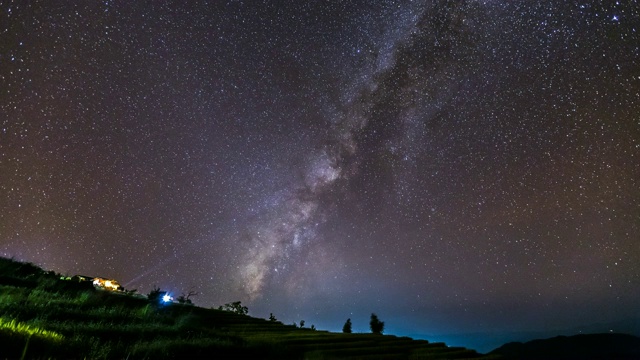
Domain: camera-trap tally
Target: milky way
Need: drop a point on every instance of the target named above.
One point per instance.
(454, 166)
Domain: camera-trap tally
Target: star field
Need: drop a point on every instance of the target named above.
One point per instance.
(453, 166)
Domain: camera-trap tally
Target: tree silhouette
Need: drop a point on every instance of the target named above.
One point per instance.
(377, 326)
(347, 327)
(272, 318)
(235, 307)
(301, 323)
(185, 298)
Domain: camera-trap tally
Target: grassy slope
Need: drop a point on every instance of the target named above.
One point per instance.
(42, 316)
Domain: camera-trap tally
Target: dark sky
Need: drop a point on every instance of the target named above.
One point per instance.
(453, 166)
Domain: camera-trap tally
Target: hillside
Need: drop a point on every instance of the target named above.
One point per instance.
(42, 315)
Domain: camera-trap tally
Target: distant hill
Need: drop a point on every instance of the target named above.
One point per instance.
(487, 341)
(44, 315)
(628, 326)
(584, 346)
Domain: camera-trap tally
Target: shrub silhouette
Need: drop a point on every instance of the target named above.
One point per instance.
(184, 300)
(156, 295)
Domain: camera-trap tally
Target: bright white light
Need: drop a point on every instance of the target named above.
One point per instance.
(166, 298)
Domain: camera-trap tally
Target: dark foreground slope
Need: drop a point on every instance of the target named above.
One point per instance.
(42, 316)
(587, 346)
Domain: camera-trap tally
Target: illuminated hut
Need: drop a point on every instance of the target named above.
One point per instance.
(107, 284)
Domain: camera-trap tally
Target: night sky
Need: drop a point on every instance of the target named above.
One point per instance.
(453, 166)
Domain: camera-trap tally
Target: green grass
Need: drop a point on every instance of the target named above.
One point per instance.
(13, 327)
(18, 337)
(42, 316)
